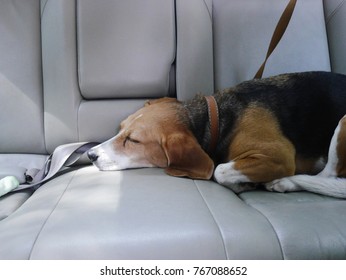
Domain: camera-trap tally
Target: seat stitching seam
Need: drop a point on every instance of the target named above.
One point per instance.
(50, 214)
(44, 8)
(214, 219)
(336, 10)
(271, 225)
(206, 6)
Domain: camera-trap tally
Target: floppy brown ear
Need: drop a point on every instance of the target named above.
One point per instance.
(186, 158)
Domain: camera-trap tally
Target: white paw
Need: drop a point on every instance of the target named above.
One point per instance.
(226, 175)
(282, 185)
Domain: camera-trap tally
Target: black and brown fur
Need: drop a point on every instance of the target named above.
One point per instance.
(269, 129)
(278, 126)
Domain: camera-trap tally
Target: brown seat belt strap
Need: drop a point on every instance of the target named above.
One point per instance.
(278, 33)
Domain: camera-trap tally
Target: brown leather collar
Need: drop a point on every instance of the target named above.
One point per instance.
(213, 112)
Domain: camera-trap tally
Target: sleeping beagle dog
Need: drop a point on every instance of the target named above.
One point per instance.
(265, 132)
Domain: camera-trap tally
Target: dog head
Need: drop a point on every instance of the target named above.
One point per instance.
(155, 136)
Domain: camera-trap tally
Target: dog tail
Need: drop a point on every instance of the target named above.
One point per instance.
(330, 186)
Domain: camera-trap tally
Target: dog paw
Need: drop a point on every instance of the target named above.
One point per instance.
(225, 174)
(282, 185)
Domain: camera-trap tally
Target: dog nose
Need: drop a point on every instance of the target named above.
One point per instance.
(92, 155)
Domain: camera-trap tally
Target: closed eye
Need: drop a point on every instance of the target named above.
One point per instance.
(129, 139)
(133, 140)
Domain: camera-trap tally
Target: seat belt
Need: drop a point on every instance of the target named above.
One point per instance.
(278, 33)
(63, 156)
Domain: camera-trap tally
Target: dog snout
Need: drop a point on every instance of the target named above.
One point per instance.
(92, 155)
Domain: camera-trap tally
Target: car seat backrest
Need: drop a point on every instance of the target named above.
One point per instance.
(242, 32)
(21, 97)
(195, 58)
(335, 14)
(101, 61)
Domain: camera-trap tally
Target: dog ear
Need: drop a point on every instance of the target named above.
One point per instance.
(186, 158)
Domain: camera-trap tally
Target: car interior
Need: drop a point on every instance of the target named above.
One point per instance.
(71, 71)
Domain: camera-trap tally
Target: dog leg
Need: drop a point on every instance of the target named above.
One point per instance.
(283, 185)
(336, 164)
(257, 153)
(254, 168)
(326, 182)
(225, 174)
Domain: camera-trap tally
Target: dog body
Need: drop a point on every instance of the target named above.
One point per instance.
(270, 130)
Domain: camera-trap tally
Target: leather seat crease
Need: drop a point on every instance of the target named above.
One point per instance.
(137, 219)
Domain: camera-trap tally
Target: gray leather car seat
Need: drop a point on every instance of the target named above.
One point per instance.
(100, 62)
(22, 141)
